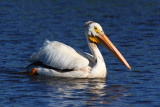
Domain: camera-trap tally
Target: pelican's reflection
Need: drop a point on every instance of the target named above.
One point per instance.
(86, 91)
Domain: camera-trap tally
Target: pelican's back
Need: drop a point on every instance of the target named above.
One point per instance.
(59, 55)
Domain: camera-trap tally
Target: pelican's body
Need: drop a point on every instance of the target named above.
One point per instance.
(59, 60)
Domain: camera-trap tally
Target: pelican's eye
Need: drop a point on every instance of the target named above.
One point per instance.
(96, 29)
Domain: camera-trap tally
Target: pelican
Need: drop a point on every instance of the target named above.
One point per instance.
(56, 59)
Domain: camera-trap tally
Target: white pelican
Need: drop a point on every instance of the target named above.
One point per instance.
(59, 60)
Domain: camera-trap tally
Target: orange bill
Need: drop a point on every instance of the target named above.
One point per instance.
(104, 40)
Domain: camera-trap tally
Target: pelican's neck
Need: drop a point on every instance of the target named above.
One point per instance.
(99, 69)
(95, 52)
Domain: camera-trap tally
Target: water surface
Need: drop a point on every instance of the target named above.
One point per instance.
(132, 25)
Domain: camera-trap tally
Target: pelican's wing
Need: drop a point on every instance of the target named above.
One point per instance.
(90, 57)
(60, 56)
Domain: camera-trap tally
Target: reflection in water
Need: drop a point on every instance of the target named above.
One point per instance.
(86, 91)
(106, 95)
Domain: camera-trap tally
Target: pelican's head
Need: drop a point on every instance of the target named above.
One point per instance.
(95, 34)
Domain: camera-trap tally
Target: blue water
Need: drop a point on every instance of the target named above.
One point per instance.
(132, 25)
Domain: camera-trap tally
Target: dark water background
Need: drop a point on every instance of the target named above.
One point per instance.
(132, 25)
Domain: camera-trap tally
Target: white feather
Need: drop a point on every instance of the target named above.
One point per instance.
(60, 56)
